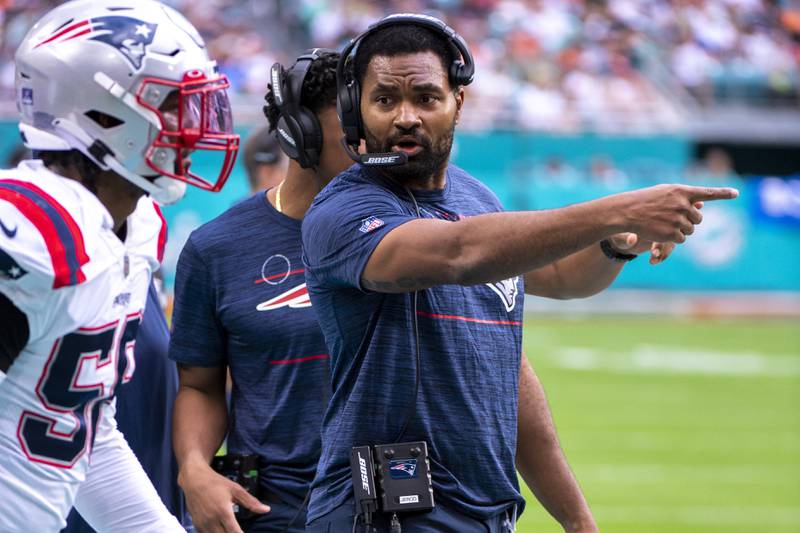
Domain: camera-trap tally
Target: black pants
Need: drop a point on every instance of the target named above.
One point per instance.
(277, 520)
(441, 520)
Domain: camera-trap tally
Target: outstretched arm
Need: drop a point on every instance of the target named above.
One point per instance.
(486, 248)
(541, 461)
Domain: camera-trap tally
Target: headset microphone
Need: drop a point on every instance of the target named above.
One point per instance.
(384, 159)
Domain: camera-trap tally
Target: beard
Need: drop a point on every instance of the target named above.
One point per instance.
(422, 166)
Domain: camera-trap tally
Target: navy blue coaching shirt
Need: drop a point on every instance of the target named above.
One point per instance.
(241, 300)
(470, 348)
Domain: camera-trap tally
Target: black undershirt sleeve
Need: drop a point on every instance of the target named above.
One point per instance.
(14, 332)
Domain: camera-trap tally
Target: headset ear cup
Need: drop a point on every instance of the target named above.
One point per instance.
(456, 73)
(355, 95)
(312, 138)
(344, 110)
(285, 139)
(349, 113)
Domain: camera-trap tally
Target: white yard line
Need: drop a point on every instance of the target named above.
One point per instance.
(716, 474)
(692, 304)
(687, 439)
(757, 516)
(652, 359)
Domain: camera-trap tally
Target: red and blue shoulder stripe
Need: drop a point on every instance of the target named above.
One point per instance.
(61, 233)
(162, 233)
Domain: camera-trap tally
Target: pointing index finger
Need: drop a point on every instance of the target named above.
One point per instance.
(702, 194)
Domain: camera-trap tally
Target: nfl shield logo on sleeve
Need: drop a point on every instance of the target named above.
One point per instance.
(370, 223)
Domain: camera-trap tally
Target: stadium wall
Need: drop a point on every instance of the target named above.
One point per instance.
(750, 244)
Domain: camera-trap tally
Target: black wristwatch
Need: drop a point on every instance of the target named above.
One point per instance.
(613, 254)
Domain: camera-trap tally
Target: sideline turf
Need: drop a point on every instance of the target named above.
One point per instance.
(671, 425)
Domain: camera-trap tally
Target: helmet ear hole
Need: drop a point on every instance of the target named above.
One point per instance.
(104, 120)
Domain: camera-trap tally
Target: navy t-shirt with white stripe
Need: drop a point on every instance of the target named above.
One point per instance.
(241, 300)
(470, 340)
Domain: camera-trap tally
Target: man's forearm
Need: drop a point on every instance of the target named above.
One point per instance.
(529, 240)
(579, 275)
(542, 463)
(199, 425)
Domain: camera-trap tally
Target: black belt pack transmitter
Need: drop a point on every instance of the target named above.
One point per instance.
(242, 469)
(403, 472)
(363, 473)
(391, 478)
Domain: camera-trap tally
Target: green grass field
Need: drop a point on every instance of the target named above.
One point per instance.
(674, 425)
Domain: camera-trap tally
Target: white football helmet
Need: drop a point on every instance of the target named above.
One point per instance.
(128, 83)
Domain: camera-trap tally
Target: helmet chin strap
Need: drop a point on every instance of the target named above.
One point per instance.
(171, 191)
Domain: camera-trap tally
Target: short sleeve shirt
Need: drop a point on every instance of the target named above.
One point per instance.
(470, 346)
(241, 300)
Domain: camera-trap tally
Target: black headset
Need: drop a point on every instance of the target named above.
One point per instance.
(348, 91)
(298, 131)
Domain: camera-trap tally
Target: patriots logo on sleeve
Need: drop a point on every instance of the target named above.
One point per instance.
(507, 290)
(128, 35)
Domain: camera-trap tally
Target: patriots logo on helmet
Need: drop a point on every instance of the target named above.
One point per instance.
(128, 35)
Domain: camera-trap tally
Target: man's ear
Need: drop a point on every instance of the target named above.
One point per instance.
(459, 96)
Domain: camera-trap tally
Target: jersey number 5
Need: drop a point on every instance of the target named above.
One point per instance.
(82, 370)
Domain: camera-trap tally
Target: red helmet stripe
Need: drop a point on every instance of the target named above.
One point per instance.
(66, 30)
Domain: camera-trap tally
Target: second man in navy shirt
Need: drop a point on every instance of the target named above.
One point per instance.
(241, 304)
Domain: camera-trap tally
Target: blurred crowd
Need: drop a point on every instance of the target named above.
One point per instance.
(598, 174)
(600, 170)
(559, 65)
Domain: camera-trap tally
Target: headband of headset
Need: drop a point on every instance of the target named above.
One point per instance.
(461, 71)
(298, 131)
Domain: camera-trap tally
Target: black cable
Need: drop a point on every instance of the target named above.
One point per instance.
(368, 528)
(297, 514)
(413, 409)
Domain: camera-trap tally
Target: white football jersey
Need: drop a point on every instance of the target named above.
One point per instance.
(83, 292)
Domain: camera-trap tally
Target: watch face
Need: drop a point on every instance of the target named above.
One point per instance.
(614, 255)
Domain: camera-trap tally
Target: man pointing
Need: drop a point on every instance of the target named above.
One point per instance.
(417, 278)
